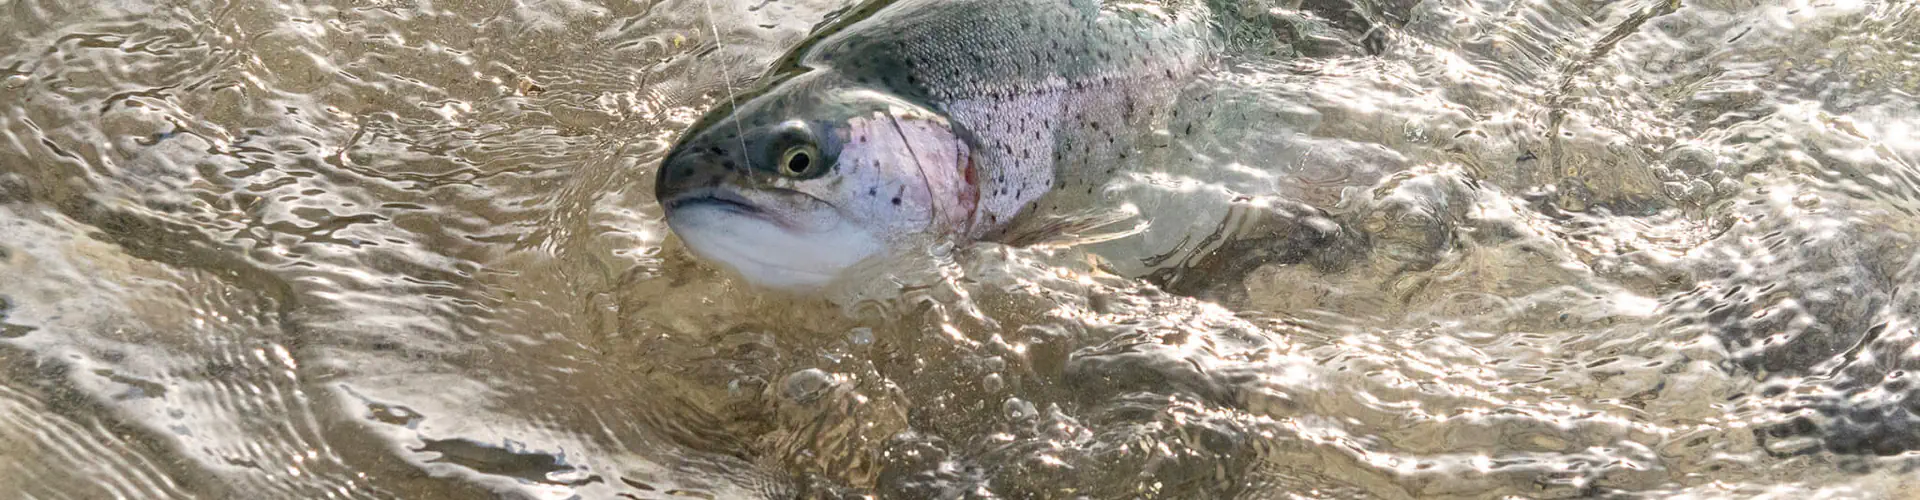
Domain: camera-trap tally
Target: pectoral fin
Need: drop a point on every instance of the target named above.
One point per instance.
(1072, 229)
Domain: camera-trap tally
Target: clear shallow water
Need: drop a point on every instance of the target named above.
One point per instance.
(407, 250)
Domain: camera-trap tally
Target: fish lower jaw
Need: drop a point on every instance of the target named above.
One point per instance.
(773, 255)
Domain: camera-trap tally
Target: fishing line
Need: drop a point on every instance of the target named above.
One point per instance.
(726, 78)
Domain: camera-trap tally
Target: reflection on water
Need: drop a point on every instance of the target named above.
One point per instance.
(402, 249)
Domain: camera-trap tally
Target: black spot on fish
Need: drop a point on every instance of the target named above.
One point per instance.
(896, 201)
(716, 151)
(873, 191)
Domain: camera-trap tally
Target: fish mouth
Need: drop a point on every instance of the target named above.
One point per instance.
(778, 205)
(724, 199)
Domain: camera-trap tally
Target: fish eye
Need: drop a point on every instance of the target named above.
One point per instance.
(799, 161)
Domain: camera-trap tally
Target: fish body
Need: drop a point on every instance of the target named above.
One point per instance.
(941, 118)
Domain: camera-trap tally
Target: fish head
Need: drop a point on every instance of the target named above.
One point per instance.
(795, 185)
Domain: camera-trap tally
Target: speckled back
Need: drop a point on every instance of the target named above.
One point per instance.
(1055, 94)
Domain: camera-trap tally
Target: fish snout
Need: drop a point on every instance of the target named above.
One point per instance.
(690, 172)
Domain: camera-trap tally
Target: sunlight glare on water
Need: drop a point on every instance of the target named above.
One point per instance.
(1397, 249)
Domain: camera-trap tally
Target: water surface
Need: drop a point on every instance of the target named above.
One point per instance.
(1516, 249)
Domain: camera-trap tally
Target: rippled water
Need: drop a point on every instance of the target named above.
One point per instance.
(407, 249)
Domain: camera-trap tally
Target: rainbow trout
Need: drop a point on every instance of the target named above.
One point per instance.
(927, 118)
